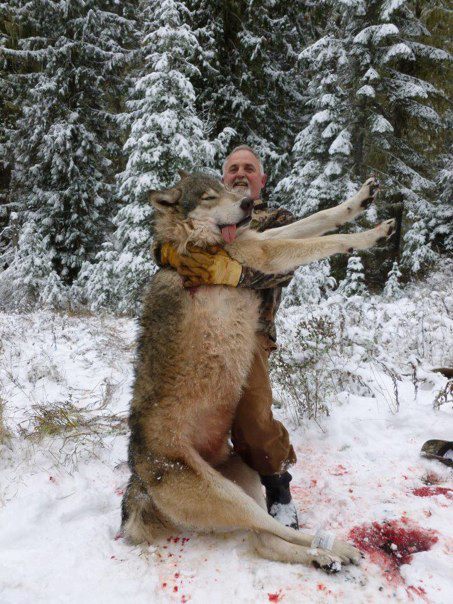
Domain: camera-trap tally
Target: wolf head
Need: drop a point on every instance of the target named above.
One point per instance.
(199, 209)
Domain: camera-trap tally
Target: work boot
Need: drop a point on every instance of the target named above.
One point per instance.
(278, 498)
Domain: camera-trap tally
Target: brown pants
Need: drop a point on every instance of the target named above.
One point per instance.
(261, 441)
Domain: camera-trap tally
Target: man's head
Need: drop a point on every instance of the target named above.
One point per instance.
(243, 172)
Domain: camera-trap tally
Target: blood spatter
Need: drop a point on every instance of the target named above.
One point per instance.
(275, 597)
(418, 591)
(393, 543)
(433, 491)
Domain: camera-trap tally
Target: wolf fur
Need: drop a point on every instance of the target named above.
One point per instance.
(194, 354)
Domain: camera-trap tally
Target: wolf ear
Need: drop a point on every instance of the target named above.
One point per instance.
(183, 174)
(164, 199)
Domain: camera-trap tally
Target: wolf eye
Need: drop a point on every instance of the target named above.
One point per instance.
(210, 198)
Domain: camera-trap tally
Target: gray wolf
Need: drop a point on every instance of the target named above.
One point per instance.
(194, 353)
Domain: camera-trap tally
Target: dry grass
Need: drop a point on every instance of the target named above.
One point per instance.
(71, 433)
(4, 432)
(71, 421)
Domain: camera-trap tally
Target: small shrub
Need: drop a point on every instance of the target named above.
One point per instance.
(302, 371)
(444, 396)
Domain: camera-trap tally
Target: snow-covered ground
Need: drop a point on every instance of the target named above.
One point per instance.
(65, 387)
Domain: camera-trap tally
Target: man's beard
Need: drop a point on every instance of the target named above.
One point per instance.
(242, 189)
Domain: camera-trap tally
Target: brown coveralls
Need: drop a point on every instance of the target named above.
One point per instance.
(262, 441)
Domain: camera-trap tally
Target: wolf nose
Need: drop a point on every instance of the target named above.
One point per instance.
(247, 204)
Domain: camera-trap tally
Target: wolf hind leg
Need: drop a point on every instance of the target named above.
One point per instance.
(199, 497)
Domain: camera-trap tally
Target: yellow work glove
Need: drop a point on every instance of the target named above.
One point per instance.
(212, 266)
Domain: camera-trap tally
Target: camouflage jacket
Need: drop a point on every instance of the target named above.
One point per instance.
(270, 286)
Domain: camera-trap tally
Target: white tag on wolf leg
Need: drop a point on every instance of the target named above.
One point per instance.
(323, 540)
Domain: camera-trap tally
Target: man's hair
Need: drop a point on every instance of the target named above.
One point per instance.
(244, 148)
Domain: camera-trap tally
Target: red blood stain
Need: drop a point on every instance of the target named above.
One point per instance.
(119, 492)
(390, 544)
(53, 479)
(164, 585)
(418, 591)
(118, 536)
(339, 470)
(322, 587)
(184, 599)
(275, 597)
(176, 575)
(175, 588)
(112, 557)
(433, 491)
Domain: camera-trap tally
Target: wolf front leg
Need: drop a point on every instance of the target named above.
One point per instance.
(279, 256)
(331, 219)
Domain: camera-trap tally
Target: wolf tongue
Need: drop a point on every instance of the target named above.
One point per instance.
(229, 232)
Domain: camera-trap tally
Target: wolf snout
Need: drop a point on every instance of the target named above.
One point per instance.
(247, 205)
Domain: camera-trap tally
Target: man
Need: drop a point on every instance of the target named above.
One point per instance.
(261, 441)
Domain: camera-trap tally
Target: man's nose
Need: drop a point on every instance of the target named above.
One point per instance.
(247, 204)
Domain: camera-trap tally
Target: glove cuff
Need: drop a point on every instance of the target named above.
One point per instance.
(232, 272)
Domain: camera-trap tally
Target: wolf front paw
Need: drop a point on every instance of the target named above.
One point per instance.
(369, 191)
(385, 230)
(347, 553)
(325, 560)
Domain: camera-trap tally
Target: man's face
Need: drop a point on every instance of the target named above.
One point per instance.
(243, 174)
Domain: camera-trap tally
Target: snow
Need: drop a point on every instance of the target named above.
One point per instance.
(60, 494)
(376, 33)
(381, 125)
(341, 144)
(366, 90)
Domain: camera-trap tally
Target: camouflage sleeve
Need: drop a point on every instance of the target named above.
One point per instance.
(253, 279)
(273, 219)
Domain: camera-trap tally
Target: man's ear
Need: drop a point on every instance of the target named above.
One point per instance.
(263, 180)
(165, 199)
(183, 174)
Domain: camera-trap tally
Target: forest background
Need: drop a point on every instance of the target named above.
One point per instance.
(102, 101)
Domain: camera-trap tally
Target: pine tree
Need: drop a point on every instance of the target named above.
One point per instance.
(440, 223)
(392, 289)
(60, 185)
(165, 135)
(374, 108)
(247, 66)
(354, 282)
(320, 175)
(10, 32)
